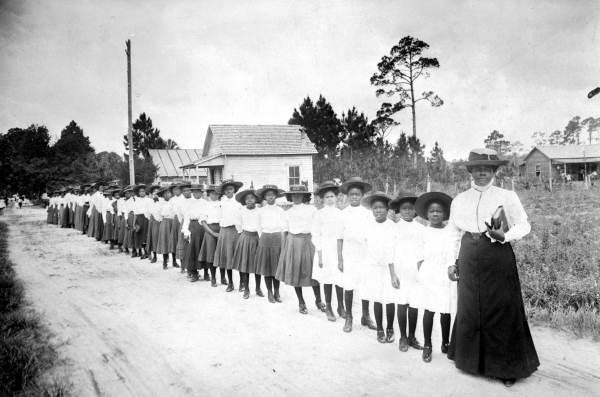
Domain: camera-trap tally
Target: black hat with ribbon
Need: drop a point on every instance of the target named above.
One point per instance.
(485, 157)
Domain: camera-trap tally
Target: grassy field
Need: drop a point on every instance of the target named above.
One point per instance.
(26, 354)
(559, 262)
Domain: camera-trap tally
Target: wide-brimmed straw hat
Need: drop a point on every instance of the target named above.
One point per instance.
(230, 182)
(376, 196)
(195, 187)
(137, 188)
(355, 181)
(269, 188)
(163, 189)
(424, 200)
(128, 188)
(297, 189)
(402, 197)
(241, 196)
(152, 187)
(484, 157)
(324, 187)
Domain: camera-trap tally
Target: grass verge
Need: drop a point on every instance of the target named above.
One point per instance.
(26, 353)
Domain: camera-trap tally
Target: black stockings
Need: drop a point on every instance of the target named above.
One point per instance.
(412, 313)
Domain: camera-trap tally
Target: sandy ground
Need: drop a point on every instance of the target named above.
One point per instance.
(127, 327)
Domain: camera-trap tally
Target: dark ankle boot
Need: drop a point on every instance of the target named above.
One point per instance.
(277, 297)
(341, 312)
(321, 306)
(134, 254)
(213, 282)
(153, 260)
(194, 278)
(414, 343)
(230, 287)
(270, 297)
(367, 322)
(348, 324)
(329, 312)
(259, 293)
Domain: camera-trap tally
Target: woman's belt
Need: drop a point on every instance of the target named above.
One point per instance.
(475, 236)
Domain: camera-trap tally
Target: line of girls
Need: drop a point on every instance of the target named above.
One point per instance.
(391, 260)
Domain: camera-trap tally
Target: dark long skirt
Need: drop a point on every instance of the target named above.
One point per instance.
(209, 245)
(490, 335)
(152, 238)
(164, 236)
(268, 253)
(99, 228)
(175, 232)
(64, 216)
(226, 242)
(71, 215)
(77, 217)
(296, 261)
(91, 230)
(192, 251)
(116, 227)
(122, 229)
(49, 216)
(55, 216)
(244, 256)
(140, 231)
(108, 227)
(128, 237)
(85, 219)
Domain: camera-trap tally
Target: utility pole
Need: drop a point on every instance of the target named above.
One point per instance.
(130, 124)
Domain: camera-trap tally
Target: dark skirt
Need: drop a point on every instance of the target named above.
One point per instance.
(175, 232)
(55, 216)
(228, 237)
(152, 239)
(64, 216)
(209, 244)
(128, 237)
(71, 215)
(49, 215)
(85, 220)
(164, 236)
(77, 217)
(107, 230)
(92, 222)
(122, 229)
(244, 256)
(116, 227)
(192, 251)
(296, 261)
(267, 254)
(140, 231)
(490, 335)
(99, 228)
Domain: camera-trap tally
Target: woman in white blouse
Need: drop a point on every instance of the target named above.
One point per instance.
(211, 234)
(296, 260)
(491, 336)
(326, 231)
(244, 256)
(270, 217)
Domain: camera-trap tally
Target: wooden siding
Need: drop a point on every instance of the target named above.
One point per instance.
(263, 170)
(537, 158)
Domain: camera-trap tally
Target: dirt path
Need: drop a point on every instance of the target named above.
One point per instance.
(129, 328)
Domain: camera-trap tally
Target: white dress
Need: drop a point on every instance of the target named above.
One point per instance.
(354, 224)
(409, 250)
(376, 282)
(437, 293)
(326, 230)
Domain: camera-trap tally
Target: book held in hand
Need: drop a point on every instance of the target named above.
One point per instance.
(498, 219)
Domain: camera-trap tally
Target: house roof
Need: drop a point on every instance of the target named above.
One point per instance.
(256, 140)
(571, 152)
(168, 161)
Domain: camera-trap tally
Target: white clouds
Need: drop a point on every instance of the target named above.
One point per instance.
(513, 66)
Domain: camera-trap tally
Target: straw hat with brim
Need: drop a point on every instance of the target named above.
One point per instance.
(162, 190)
(153, 187)
(241, 196)
(402, 197)
(236, 185)
(128, 189)
(325, 187)
(425, 200)
(355, 181)
(269, 188)
(195, 187)
(376, 196)
(487, 157)
(297, 189)
(137, 188)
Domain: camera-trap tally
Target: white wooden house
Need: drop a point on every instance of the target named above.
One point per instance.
(169, 161)
(257, 155)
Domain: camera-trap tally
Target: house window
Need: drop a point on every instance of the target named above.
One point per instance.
(538, 170)
(294, 178)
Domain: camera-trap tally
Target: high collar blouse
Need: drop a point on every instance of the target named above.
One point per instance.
(327, 225)
(380, 241)
(271, 218)
(354, 221)
(471, 209)
(298, 219)
(213, 211)
(250, 219)
(230, 212)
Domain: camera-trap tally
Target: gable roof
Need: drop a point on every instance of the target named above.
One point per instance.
(256, 140)
(567, 151)
(168, 161)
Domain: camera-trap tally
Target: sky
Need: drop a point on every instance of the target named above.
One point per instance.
(514, 66)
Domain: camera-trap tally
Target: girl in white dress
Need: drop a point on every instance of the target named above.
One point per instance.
(438, 293)
(326, 231)
(410, 237)
(380, 282)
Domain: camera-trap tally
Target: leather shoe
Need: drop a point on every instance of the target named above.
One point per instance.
(348, 324)
(153, 260)
(414, 343)
(445, 348)
(260, 293)
(341, 312)
(246, 293)
(277, 297)
(427, 352)
(270, 297)
(381, 336)
(321, 306)
(213, 282)
(367, 322)
(403, 344)
(229, 287)
(241, 289)
(389, 335)
(302, 308)
(194, 278)
(223, 281)
(329, 313)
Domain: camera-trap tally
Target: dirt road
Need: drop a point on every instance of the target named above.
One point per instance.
(127, 327)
